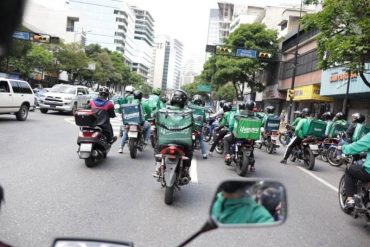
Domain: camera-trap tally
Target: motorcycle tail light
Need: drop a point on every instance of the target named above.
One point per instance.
(172, 157)
(85, 134)
(95, 134)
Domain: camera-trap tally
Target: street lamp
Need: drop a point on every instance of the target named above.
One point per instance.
(295, 63)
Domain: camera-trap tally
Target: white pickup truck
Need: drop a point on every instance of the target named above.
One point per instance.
(16, 97)
(64, 98)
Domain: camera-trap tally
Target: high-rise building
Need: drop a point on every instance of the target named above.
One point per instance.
(213, 29)
(168, 55)
(109, 23)
(143, 43)
(226, 12)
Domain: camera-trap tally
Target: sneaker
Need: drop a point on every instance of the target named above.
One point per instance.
(349, 206)
(210, 153)
(205, 156)
(283, 161)
(120, 150)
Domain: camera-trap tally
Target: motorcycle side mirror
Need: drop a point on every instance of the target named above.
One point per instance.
(75, 242)
(245, 204)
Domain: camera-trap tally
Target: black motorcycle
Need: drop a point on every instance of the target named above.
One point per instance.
(136, 142)
(269, 141)
(306, 152)
(241, 156)
(286, 136)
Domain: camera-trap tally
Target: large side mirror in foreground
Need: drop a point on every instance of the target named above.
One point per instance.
(71, 242)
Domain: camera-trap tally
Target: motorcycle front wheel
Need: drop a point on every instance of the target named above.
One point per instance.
(270, 147)
(283, 139)
(168, 195)
(309, 158)
(324, 155)
(220, 148)
(133, 148)
(332, 155)
(342, 196)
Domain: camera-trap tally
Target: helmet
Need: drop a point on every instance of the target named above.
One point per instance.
(298, 113)
(222, 102)
(179, 98)
(198, 100)
(138, 94)
(104, 92)
(339, 116)
(250, 105)
(234, 186)
(327, 116)
(156, 91)
(164, 98)
(129, 89)
(242, 106)
(227, 107)
(270, 199)
(306, 112)
(358, 117)
(270, 109)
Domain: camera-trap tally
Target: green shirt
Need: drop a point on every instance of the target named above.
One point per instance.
(196, 112)
(362, 145)
(296, 121)
(225, 119)
(129, 98)
(244, 210)
(302, 127)
(264, 119)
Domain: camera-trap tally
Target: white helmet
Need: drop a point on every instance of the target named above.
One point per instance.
(129, 89)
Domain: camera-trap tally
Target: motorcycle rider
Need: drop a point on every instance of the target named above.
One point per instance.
(220, 112)
(163, 102)
(223, 123)
(137, 97)
(246, 110)
(328, 118)
(297, 118)
(270, 110)
(104, 110)
(178, 102)
(199, 102)
(338, 119)
(129, 94)
(154, 101)
(300, 132)
(356, 171)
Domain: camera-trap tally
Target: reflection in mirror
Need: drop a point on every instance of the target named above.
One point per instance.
(88, 243)
(249, 202)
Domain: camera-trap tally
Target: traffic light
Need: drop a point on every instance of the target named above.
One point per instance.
(211, 48)
(223, 50)
(264, 55)
(291, 94)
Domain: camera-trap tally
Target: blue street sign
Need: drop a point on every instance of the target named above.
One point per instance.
(21, 35)
(246, 53)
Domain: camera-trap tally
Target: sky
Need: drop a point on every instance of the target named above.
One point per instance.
(187, 20)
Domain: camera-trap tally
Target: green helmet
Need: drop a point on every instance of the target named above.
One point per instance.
(156, 91)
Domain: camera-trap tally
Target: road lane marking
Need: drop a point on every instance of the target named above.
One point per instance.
(193, 171)
(318, 179)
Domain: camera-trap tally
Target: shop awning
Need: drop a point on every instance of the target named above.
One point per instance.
(309, 92)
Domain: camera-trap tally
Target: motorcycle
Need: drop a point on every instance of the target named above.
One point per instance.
(269, 141)
(195, 138)
(362, 197)
(153, 132)
(220, 145)
(332, 152)
(324, 147)
(241, 152)
(306, 152)
(171, 170)
(286, 136)
(92, 143)
(135, 134)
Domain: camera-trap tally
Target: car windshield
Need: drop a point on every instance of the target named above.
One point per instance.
(63, 89)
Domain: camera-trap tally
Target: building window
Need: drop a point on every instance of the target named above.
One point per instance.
(306, 64)
(71, 23)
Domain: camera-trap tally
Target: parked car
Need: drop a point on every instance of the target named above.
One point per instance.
(40, 95)
(64, 98)
(16, 97)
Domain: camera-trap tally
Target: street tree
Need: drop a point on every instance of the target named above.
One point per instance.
(344, 37)
(104, 68)
(226, 92)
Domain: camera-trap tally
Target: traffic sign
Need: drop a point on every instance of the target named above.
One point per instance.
(21, 35)
(246, 53)
(204, 88)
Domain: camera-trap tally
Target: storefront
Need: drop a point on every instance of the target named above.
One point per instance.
(272, 96)
(309, 96)
(334, 84)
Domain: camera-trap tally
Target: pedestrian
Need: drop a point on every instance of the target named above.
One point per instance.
(282, 118)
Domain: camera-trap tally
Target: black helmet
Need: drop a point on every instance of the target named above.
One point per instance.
(306, 112)
(339, 116)
(270, 199)
(227, 107)
(164, 98)
(242, 106)
(298, 113)
(234, 186)
(222, 102)
(104, 92)
(358, 117)
(198, 100)
(179, 98)
(270, 109)
(327, 115)
(250, 105)
(138, 94)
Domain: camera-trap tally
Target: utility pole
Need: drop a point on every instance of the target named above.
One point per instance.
(295, 64)
(344, 107)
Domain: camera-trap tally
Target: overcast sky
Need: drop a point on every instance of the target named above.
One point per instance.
(187, 20)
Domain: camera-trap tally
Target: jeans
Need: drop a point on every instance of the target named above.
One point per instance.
(201, 143)
(353, 173)
(146, 127)
(293, 143)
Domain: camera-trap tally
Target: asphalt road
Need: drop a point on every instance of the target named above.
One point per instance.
(50, 193)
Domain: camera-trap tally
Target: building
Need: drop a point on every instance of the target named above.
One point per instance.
(67, 24)
(143, 43)
(213, 37)
(109, 23)
(168, 55)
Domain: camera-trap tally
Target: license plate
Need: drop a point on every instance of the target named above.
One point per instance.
(132, 134)
(274, 138)
(314, 147)
(53, 106)
(85, 147)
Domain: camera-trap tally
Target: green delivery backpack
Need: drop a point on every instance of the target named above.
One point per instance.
(317, 128)
(198, 114)
(247, 128)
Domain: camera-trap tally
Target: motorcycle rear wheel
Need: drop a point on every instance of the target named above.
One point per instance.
(168, 195)
(242, 166)
(331, 154)
(133, 148)
(152, 141)
(324, 156)
(309, 158)
(270, 147)
(220, 148)
(342, 197)
(283, 139)
(90, 162)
